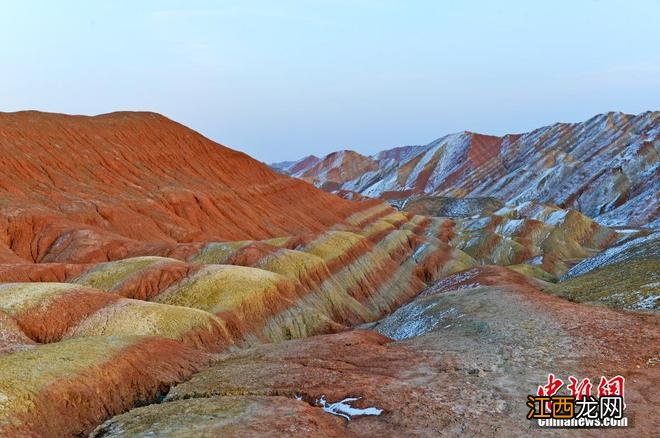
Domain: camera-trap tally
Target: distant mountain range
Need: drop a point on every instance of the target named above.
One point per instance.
(605, 167)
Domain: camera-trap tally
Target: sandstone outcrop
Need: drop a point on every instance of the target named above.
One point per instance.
(88, 189)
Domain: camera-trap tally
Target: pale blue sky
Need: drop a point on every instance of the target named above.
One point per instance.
(282, 79)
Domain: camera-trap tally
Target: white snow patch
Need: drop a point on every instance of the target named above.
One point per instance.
(419, 253)
(647, 303)
(376, 189)
(538, 260)
(625, 251)
(344, 409)
(556, 217)
(453, 153)
(420, 166)
(510, 227)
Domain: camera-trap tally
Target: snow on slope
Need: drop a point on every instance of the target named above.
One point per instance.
(606, 167)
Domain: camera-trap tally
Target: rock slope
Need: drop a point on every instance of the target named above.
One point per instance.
(226, 295)
(89, 189)
(153, 282)
(605, 167)
(133, 248)
(458, 360)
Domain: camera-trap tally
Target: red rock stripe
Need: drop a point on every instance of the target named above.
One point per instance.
(137, 374)
(49, 322)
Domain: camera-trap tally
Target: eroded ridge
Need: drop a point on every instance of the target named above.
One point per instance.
(185, 288)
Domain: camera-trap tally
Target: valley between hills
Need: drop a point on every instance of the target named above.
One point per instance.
(156, 283)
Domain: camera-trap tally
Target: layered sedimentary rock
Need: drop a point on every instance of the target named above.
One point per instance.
(127, 233)
(605, 167)
(137, 255)
(88, 189)
(626, 275)
(458, 360)
(533, 236)
(65, 388)
(225, 294)
(449, 207)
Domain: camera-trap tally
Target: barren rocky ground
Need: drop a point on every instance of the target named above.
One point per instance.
(458, 360)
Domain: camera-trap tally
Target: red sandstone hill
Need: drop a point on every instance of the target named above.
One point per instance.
(85, 189)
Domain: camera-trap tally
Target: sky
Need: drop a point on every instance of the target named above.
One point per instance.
(283, 79)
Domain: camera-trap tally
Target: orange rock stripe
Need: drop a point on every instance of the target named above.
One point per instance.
(137, 374)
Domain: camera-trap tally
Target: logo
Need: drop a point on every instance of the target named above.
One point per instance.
(578, 407)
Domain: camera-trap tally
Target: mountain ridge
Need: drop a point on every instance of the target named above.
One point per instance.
(573, 165)
(127, 180)
(133, 250)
